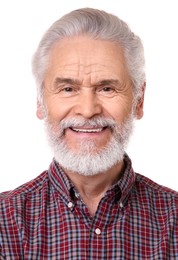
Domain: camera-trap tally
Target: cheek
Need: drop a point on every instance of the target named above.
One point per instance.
(57, 109)
(118, 110)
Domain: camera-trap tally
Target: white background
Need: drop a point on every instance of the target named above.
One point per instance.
(24, 152)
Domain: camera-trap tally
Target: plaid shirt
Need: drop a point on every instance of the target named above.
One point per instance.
(46, 219)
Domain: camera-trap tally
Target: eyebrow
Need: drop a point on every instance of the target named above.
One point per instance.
(77, 82)
(107, 82)
(66, 80)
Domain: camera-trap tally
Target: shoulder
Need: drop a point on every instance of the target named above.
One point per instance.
(156, 194)
(18, 210)
(152, 186)
(21, 205)
(31, 188)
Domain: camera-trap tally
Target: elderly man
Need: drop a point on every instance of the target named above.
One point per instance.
(89, 204)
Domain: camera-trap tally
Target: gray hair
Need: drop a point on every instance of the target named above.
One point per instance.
(97, 24)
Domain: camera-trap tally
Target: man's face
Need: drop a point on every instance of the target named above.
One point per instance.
(87, 79)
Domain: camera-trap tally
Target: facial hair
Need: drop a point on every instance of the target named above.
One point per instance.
(88, 160)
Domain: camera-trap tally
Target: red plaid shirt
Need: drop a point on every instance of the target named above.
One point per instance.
(46, 219)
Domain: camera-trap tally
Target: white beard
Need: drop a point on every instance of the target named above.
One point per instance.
(87, 160)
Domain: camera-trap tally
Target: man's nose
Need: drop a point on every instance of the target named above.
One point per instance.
(88, 105)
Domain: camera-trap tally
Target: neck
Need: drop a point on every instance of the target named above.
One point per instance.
(93, 188)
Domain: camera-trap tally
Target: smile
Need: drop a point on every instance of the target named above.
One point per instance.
(85, 130)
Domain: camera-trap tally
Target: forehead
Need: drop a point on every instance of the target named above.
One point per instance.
(83, 56)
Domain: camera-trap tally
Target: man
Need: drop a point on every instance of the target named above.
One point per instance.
(89, 204)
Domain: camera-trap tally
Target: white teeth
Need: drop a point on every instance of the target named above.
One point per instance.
(88, 130)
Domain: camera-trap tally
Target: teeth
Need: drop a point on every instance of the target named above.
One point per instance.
(88, 130)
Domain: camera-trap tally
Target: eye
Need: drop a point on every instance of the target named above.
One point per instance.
(107, 91)
(66, 91)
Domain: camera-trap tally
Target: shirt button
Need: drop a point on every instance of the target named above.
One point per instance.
(98, 231)
(121, 205)
(70, 205)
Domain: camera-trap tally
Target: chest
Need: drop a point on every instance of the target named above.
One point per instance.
(59, 230)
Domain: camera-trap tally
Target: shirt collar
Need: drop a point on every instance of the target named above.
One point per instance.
(59, 179)
(63, 184)
(127, 180)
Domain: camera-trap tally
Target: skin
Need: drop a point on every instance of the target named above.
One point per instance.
(88, 78)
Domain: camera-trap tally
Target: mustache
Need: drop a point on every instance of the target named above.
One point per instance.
(82, 122)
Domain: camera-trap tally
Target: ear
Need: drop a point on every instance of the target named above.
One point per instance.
(140, 103)
(40, 110)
